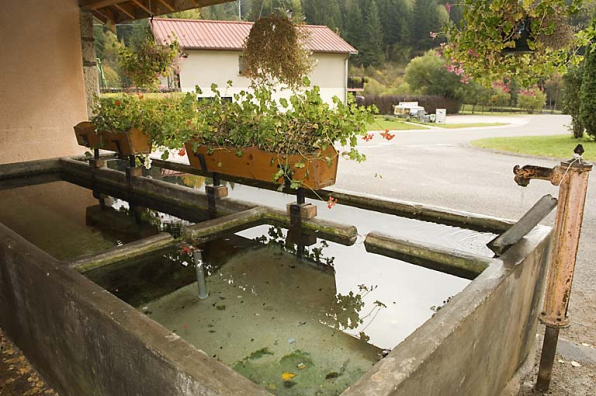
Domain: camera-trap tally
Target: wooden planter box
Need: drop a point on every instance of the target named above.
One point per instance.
(262, 165)
(132, 142)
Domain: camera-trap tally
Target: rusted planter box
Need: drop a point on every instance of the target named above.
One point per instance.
(262, 165)
(132, 142)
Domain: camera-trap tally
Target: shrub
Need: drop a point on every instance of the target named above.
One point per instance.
(531, 100)
(430, 103)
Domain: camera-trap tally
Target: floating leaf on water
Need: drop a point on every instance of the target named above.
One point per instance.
(287, 376)
(332, 375)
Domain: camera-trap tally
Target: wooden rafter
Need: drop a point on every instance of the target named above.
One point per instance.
(115, 11)
(168, 5)
(96, 4)
(142, 6)
(108, 14)
(100, 16)
(126, 9)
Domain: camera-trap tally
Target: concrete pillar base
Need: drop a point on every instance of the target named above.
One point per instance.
(134, 172)
(97, 163)
(307, 210)
(217, 191)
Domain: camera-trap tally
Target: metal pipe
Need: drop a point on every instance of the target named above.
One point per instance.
(572, 178)
(568, 222)
(529, 172)
(300, 196)
(200, 269)
(547, 359)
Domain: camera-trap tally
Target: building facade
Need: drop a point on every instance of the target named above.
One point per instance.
(214, 55)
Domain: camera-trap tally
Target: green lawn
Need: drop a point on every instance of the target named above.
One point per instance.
(381, 124)
(558, 146)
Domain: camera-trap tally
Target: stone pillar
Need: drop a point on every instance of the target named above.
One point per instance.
(90, 74)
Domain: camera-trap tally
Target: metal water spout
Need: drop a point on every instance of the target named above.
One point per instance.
(572, 179)
(200, 269)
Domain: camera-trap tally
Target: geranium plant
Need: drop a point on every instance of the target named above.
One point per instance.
(163, 119)
(485, 43)
(300, 125)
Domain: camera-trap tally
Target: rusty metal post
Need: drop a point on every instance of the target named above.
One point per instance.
(572, 178)
(572, 198)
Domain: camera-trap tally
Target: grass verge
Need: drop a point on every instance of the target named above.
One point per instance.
(557, 146)
(396, 124)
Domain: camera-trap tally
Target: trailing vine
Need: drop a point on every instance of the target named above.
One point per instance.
(274, 51)
(146, 61)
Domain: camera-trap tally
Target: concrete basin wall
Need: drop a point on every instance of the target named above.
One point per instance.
(477, 342)
(86, 342)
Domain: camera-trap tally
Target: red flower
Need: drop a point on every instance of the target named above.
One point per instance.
(186, 249)
(118, 103)
(368, 137)
(387, 135)
(182, 152)
(331, 203)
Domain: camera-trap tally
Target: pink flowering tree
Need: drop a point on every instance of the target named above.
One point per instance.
(432, 74)
(531, 99)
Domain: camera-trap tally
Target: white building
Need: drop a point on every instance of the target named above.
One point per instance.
(214, 51)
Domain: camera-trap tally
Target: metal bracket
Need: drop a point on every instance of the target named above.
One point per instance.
(202, 161)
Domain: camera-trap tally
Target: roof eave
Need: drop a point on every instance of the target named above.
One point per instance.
(186, 48)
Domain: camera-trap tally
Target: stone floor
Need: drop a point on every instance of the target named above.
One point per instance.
(17, 377)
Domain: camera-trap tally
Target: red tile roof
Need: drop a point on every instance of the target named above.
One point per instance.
(230, 35)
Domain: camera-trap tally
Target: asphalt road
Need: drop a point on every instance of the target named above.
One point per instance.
(439, 167)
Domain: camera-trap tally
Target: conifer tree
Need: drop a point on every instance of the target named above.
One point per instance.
(371, 51)
(354, 25)
(587, 94)
(572, 82)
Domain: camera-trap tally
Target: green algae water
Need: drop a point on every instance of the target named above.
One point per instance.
(294, 319)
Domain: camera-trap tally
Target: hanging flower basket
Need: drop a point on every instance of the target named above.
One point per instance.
(521, 36)
(314, 170)
(131, 142)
